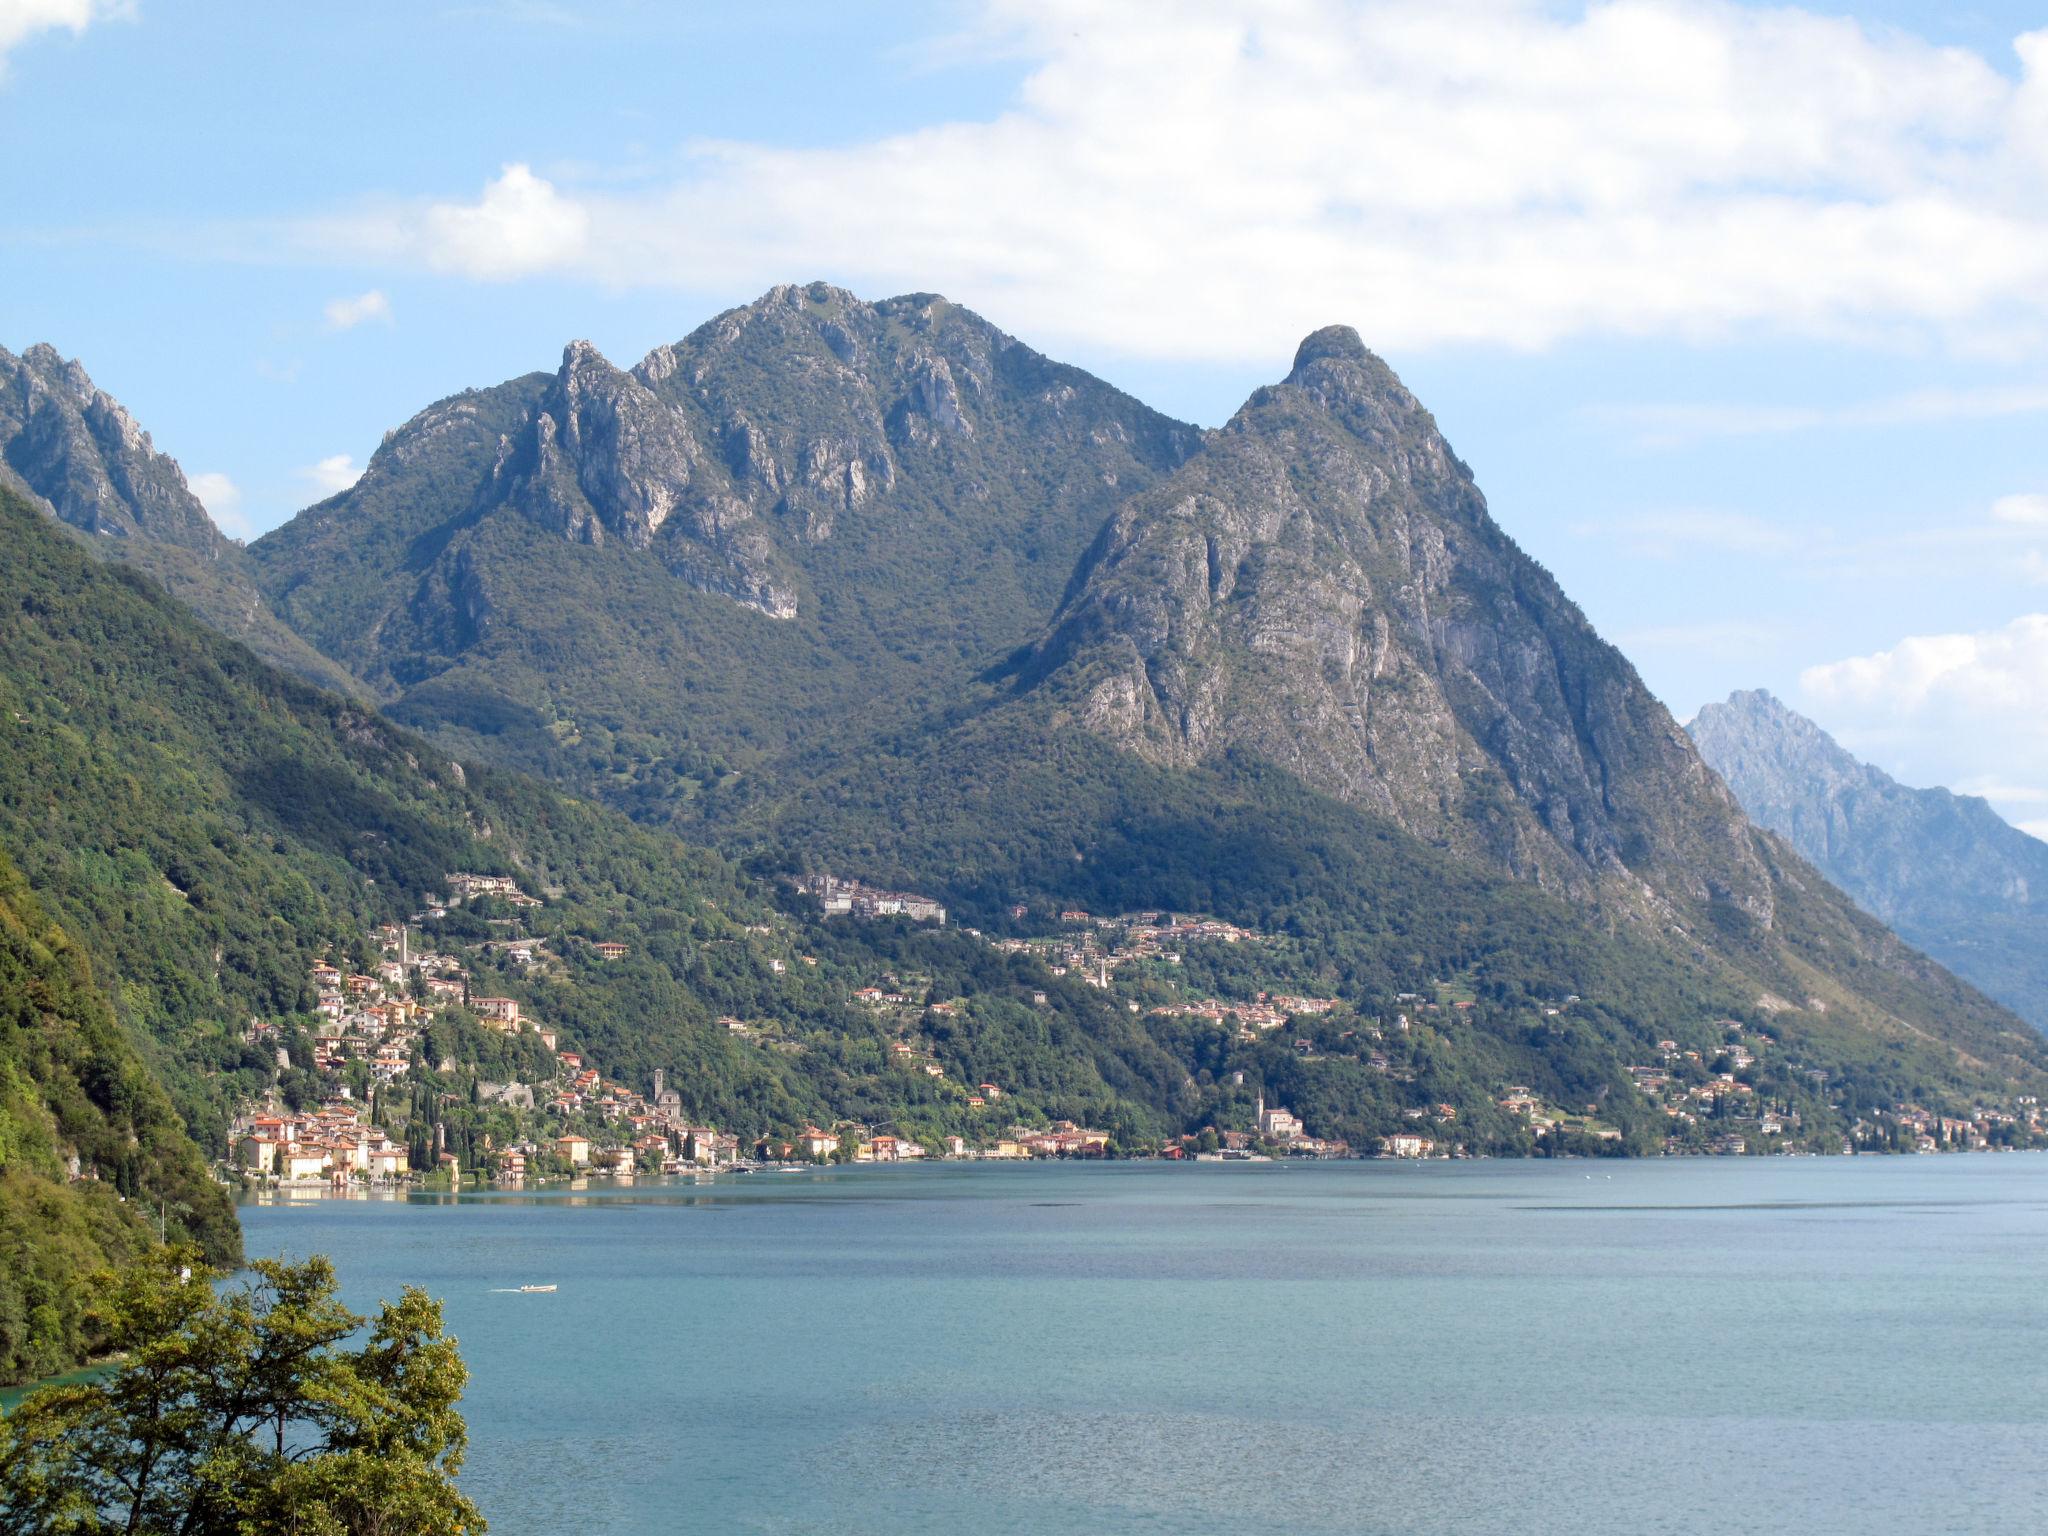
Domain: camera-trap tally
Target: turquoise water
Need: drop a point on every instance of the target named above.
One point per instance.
(1671, 1346)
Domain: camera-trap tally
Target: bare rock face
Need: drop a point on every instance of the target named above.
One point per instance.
(1322, 587)
(905, 484)
(75, 449)
(605, 457)
(72, 450)
(780, 426)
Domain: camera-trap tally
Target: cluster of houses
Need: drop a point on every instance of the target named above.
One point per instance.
(675, 1148)
(377, 1016)
(1268, 1011)
(1934, 1132)
(333, 1144)
(841, 898)
(1278, 1129)
(1093, 948)
(1703, 1089)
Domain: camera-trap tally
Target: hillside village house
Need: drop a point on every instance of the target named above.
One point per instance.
(462, 886)
(843, 897)
(502, 1011)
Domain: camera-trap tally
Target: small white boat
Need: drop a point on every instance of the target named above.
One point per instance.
(534, 1290)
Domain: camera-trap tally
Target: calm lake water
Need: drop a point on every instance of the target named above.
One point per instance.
(1673, 1346)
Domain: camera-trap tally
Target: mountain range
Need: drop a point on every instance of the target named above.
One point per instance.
(876, 589)
(644, 582)
(1945, 870)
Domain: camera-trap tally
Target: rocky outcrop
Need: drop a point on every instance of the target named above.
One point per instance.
(72, 450)
(1322, 587)
(1943, 869)
(605, 457)
(73, 447)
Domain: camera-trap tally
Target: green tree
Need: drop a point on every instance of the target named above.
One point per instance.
(242, 1409)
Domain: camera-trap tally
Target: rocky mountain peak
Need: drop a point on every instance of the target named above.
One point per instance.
(76, 450)
(607, 456)
(1332, 341)
(1322, 587)
(1772, 754)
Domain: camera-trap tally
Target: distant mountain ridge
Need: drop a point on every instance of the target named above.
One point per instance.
(73, 450)
(1945, 870)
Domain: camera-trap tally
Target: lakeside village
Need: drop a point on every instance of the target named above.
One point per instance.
(369, 1050)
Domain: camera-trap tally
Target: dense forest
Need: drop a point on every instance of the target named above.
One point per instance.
(93, 1161)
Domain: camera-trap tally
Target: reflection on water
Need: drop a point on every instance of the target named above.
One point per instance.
(1673, 1346)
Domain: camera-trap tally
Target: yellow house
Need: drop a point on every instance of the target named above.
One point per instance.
(304, 1163)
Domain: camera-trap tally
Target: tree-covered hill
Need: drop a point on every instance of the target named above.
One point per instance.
(1007, 804)
(93, 1160)
(210, 828)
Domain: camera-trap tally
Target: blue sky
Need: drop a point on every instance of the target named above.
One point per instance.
(1740, 313)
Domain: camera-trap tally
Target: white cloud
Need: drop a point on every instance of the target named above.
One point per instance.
(222, 499)
(333, 474)
(520, 225)
(2030, 510)
(345, 314)
(1212, 178)
(22, 19)
(1957, 709)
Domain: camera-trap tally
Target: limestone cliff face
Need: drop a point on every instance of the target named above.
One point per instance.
(605, 457)
(807, 417)
(831, 412)
(71, 446)
(73, 451)
(1943, 869)
(1322, 587)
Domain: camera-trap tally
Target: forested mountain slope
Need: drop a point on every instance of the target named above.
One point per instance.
(210, 828)
(1945, 870)
(92, 1158)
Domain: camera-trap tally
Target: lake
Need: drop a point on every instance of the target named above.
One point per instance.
(1811, 1345)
